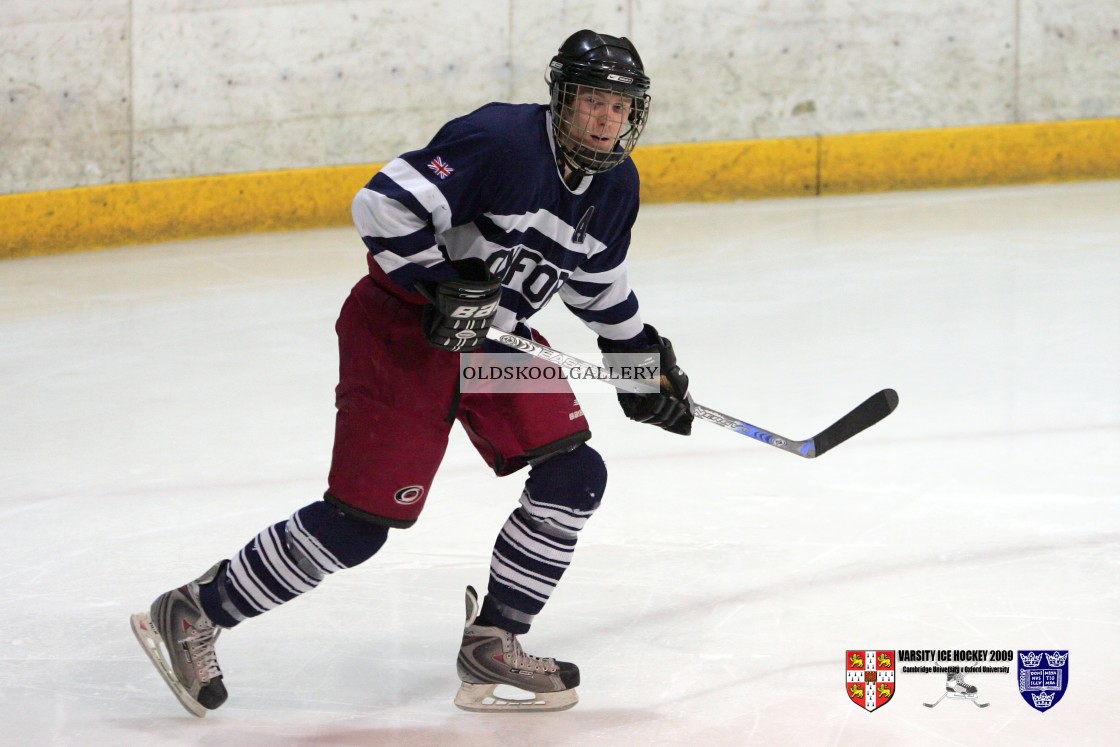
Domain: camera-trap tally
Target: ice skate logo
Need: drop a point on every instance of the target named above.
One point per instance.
(957, 689)
(869, 678)
(408, 496)
(1043, 686)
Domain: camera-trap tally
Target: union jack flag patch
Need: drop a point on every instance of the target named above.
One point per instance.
(441, 168)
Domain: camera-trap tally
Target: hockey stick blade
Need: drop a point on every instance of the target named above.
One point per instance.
(868, 413)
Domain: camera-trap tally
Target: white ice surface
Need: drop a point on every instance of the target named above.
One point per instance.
(162, 404)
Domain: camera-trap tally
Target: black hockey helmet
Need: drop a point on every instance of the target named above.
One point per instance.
(589, 60)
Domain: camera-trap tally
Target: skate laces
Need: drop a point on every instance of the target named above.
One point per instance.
(200, 645)
(522, 660)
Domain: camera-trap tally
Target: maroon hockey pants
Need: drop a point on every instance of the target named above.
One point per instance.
(397, 400)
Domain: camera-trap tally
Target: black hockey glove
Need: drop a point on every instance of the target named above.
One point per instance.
(463, 308)
(671, 408)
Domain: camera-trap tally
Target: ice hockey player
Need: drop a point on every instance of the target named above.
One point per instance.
(504, 208)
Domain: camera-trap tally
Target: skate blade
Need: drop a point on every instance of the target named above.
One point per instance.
(508, 699)
(151, 642)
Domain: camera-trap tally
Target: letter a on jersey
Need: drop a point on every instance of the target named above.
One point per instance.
(580, 232)
(869, 678)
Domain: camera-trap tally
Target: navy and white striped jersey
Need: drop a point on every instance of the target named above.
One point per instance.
(488, 186)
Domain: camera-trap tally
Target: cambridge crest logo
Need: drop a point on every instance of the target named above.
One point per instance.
(1043, 677)
(870, 678)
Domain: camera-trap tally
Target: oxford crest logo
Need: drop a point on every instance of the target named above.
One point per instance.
(1043, 676)
(869, 678)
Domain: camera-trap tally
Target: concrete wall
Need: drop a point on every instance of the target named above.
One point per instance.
(110, 91)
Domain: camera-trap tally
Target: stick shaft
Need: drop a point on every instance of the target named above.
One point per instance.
(868, 413)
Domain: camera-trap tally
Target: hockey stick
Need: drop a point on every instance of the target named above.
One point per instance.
(931, 705)
(866, 414)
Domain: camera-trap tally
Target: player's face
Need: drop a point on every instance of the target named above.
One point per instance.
(596, 117)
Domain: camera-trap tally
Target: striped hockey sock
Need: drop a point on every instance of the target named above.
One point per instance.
(288, 559)
(536, 544)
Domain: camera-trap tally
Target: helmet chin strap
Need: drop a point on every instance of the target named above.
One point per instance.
(573, 174)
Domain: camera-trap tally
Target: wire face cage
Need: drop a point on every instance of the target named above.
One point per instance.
(596, 128)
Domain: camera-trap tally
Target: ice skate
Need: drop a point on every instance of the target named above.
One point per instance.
(187, 662)
(957, 689)
(498, 675)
